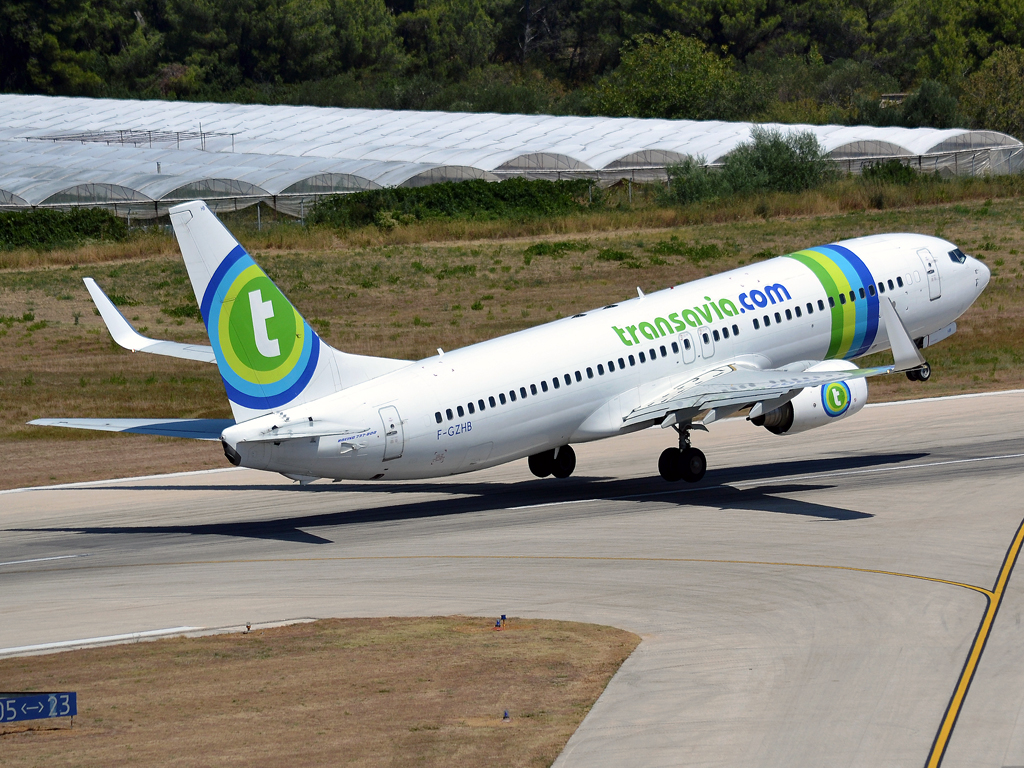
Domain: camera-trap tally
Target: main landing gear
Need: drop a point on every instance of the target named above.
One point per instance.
(559, 462)
(920, 374)
(682, 463)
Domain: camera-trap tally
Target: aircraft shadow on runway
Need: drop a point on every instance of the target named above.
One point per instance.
(713, 491)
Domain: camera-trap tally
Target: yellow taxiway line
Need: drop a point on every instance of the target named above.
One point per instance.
(995, 597)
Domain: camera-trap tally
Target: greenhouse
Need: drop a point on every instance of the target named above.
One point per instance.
(138, 158)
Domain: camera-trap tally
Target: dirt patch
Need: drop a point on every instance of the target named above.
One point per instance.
(366, 692)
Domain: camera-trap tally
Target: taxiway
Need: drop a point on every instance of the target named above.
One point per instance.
(820, 599)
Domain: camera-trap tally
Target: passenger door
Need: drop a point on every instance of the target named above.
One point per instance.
(394, 434)
(931, 273)
(707, 343)
(687, 348)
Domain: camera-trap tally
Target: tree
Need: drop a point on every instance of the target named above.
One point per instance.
(994, 95)
(448, 37)
(61, 47)
(667, 76)
(365, 34)
(930, 106)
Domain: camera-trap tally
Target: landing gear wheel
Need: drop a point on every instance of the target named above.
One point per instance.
(564, 462)
(912, 375)
(924, 372)
(670, 465)
(693, 464)
(543, 463)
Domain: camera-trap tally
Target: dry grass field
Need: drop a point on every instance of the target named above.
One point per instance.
(404, 293)
(366, 692)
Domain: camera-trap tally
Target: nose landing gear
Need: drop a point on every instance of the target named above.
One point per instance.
(685, 462)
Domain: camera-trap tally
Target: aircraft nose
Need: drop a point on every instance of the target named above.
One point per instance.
(984, 274)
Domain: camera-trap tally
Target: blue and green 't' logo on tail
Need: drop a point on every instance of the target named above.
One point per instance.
(265, 350)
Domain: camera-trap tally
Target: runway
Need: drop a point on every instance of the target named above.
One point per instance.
(820, 599)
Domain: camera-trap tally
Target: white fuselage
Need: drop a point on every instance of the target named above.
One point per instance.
(425, 420)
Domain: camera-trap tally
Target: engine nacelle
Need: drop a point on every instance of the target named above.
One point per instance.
(817, 406)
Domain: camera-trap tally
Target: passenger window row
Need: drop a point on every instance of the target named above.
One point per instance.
(724, 334)
(798, 312)
(556, 383)
(881, 285)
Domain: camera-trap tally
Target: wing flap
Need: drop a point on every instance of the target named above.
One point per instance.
(125, 335)
(733, 384)
(196, 429)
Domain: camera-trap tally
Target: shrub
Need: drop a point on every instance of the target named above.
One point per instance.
(47, 228)
(691, 181)
(474, 199)
(612, 254)
(462, 269)
(184, 311)
(695, 253)
(556, 248)
(777, 162)
(123, 300)
(889, 172)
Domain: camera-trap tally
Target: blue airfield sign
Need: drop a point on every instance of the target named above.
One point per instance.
(37, 706)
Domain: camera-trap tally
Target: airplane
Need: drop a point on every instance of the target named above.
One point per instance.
(775, 338)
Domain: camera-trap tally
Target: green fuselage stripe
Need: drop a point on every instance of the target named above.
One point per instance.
(847, 308)
(831, 289)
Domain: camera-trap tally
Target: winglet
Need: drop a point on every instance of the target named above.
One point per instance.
(125, 335)
(120, 329)
(905, 353)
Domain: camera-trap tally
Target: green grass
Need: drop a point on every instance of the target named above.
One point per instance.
(646, 206)
(406, 299)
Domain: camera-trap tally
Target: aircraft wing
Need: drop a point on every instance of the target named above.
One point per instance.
(731, 386)
(197, 429)
(125, 335)
(734, 385)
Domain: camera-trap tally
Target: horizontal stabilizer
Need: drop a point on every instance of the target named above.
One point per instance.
(196, 429)
(124, 334)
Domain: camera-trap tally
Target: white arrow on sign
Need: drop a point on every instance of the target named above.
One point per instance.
(37, 708)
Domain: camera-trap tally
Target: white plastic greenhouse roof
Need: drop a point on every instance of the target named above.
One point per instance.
(255, 150)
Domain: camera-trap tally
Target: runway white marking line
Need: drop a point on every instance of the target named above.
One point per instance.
(89, 483)
(884, 469)
(573, 501)
(98, 640)
(41, 559)
(945, 397)
(773, 481)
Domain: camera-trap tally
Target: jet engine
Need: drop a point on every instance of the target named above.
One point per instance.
(817, 406)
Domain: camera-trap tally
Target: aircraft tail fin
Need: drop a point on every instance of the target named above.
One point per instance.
(268, 355)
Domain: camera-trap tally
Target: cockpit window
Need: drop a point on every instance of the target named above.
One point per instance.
(958, 256)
